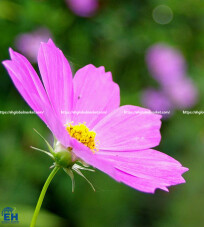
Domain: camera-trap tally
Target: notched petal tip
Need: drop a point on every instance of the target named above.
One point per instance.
(50, 41)
(183, 181)
(14, 55)
(185, 169)
(158, 189)
(6, 63)
(11, 53)
(145, 170)
(100, 69)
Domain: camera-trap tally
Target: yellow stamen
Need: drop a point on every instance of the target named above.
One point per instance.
(82, 134)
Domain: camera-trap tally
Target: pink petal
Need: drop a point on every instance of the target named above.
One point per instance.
(30, 87)
(145, 170)
(94, 91)
(54, 124)
(26, 81)
(57, 78)
(128, 128)
(85, 154)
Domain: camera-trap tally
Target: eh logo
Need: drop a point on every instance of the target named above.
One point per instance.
(9, 216)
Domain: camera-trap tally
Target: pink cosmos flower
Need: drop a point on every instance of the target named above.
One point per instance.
(83, 8)
(118, 142)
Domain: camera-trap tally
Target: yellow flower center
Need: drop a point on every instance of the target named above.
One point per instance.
(82, 133)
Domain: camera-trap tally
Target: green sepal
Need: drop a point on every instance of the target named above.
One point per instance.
(77, 170)
(71, 174)
(43, 151)
(47, 143)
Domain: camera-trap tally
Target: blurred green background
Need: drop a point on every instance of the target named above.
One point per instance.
(117, 36)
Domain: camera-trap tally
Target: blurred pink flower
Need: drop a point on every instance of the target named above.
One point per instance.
(126, 134)
(168, 67)
(83, 8)
(183, 94)
(29, 43)
(165, 64)
(156, 100)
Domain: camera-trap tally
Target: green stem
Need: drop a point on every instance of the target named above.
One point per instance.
(42, 195)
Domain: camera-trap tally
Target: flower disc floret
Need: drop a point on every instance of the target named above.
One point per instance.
(82, 133)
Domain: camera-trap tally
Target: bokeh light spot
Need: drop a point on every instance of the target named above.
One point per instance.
(162, 14)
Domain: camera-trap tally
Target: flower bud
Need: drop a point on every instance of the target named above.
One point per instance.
(63, 156)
